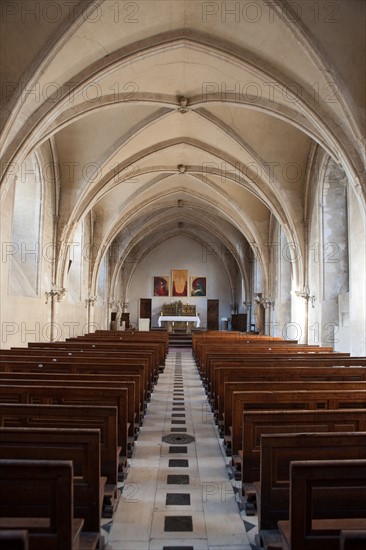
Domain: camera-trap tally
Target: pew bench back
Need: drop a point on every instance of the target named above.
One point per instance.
(292, 399)
(326, 497)
(105, 419)
(38, 496)
(261, 423)
(279, 450)
(80, 446)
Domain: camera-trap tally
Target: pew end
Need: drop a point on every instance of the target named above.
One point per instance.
(37, 496)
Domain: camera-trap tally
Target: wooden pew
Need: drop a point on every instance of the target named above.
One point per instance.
(260, 423)
(81, 368)
(40, 378)
(229, 369)
(307, 370)
(292, 399)
(132, 336)
(84, 368)
(154, 349)
(141, 336)
(73, 416)
(119, 350)
(13, 379)
(81, 446)
(75, 360)
(223, 338)
(326, 497)
(75, 395)
(279, 450)
(246, 351)
(283, 385)
(204, 350)
(263, 357)
(38, 496)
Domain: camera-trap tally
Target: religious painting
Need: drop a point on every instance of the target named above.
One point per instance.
(161, 285)
(197, 286)
(179, 282)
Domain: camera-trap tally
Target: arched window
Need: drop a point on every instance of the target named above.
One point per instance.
(26, 231)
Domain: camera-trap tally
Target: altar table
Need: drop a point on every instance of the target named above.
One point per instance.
(184, 318)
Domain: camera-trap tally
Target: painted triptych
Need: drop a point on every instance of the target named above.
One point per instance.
(179, 284)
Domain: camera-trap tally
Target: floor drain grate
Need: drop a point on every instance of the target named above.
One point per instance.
(178, 438)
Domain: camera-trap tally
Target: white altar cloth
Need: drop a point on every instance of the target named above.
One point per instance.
(184, 318)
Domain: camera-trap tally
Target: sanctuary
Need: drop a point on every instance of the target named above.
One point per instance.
(178, 316)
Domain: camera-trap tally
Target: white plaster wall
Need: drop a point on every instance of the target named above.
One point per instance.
(357, 281)
(24, 318)
(328, 263)
(74, 315)
(28, 318)
(179, 253)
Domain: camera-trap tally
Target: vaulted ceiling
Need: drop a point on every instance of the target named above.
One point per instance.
(175, 117)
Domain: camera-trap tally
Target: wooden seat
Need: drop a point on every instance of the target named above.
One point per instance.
(279, 450)
(262, 423)
(274, 385)
(81, 446)
(50, 379)
(253, 352)
(73, 361)
(36, 496)
(291, 399)
(135, 415)
(304, 369)
(104, 419)
(99, 381)
(326, 497)
(77, 395)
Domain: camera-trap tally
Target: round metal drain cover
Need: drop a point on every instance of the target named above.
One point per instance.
(178, 439)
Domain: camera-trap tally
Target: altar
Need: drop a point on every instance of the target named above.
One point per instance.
(179, 319)
(179, 316)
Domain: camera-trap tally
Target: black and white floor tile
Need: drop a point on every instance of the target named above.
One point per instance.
(179, 493)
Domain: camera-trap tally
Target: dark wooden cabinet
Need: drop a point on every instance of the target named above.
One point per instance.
(239, 322)
(212, 315)
(145, 308)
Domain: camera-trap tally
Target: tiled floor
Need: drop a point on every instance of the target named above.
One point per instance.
(178, 494)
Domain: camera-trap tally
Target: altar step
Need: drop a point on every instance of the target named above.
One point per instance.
(180, 340)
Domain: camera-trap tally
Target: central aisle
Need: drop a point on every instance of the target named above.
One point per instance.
(177, 493)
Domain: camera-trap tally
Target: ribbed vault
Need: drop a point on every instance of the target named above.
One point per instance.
(177, 121)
